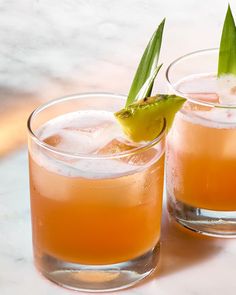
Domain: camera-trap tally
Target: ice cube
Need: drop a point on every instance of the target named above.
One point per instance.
(204, 96)
(80, 139)
(90, 129)
(53, 140)
(76, 141)
(226, 86)
(119, 145)
(144, 157)
(80, 132)
(115, 146)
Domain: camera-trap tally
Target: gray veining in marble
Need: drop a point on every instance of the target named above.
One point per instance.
(50, 48)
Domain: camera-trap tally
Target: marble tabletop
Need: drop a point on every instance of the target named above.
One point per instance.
(55, 48)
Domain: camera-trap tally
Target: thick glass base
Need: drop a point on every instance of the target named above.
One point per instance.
(99, 278)
(207, 222)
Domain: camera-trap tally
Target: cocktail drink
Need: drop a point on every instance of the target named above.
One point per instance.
(201, 149)
(96, 181)
(96, 197)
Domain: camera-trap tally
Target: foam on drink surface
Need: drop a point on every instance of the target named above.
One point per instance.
(207, 88)
(89, 133)
(80, 132)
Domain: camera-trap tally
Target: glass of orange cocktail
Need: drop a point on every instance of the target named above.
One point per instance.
(201, 149)
(96, 197)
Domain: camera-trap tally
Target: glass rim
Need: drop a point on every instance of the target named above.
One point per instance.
(37, 140)
(182, 94)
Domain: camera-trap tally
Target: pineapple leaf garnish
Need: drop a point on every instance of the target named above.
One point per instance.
(147, 69)
(227, 53)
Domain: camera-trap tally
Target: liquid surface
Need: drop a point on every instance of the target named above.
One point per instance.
(82, 132)
(201, 151)
(209, 89)
(91, 133)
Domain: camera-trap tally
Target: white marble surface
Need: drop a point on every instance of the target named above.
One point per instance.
(53, 48)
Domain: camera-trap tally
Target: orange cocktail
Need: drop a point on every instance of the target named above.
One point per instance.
(95, 221)
(202, 157)
(201, 147)
(96, 197)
